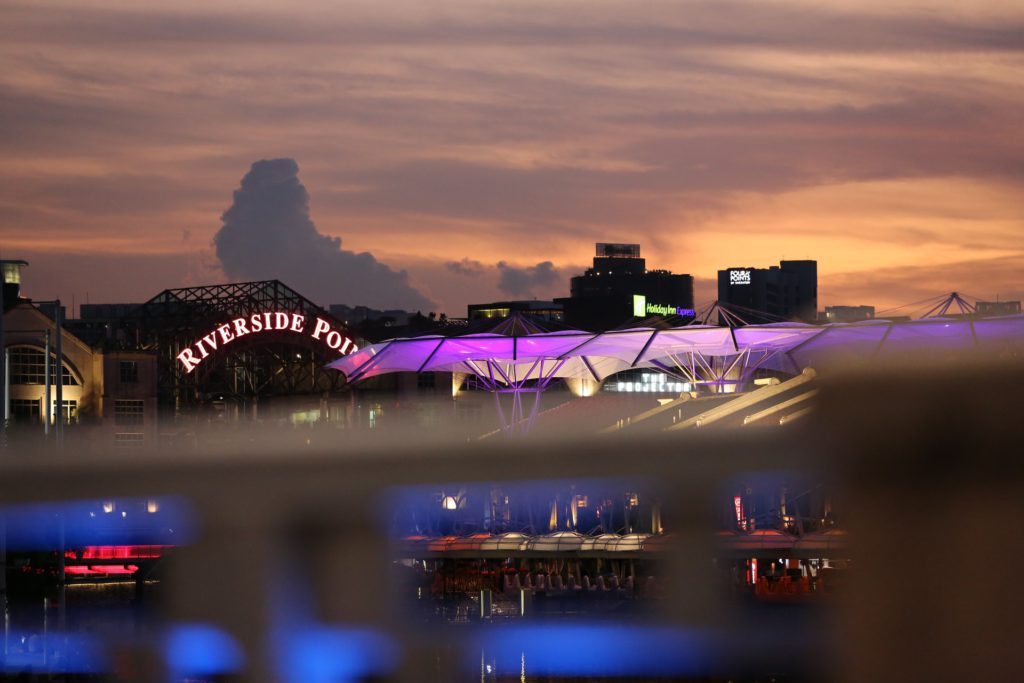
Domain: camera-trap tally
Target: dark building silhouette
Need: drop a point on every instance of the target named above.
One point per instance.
(620, 289)
(788, 291)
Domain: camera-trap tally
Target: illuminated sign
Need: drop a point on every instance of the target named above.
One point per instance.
(642, 308)
(659, 309)
(263, 322)
(739, 277)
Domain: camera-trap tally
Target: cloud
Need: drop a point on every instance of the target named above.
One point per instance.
(468, 267)
(527, 281)
(525, 132)
(267, 233)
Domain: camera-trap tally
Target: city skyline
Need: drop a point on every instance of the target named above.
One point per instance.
(484, 153)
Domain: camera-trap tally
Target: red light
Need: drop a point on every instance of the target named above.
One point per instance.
(100, 570)
(117, 552)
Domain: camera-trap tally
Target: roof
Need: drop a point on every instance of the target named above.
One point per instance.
(790, 347)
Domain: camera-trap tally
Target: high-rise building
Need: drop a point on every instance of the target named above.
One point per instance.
(620, 289)
(788, 291)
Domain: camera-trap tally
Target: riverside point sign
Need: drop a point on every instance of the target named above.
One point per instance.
(257, 323)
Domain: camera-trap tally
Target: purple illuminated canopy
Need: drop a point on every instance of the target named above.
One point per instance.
(505, 360)
(697, 353)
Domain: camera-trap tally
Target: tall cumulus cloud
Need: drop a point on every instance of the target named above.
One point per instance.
(267, 233)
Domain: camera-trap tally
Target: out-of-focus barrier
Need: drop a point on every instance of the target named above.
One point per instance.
(287, 576)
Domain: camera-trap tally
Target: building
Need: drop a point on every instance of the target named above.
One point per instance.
(788, 291)
(847, 314)
(619, 290)
(990, 308)
(100, 324)
(543, 310)
(107, 395)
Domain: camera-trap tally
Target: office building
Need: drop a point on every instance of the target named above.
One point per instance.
(788, 291)
(620, 290)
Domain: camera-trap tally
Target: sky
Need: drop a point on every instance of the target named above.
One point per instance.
(429, 155)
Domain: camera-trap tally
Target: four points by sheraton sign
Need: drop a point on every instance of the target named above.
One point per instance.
(263, 322)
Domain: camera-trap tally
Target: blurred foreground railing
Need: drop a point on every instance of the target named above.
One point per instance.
(287, 577)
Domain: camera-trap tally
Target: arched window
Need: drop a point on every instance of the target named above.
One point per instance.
(27, 367)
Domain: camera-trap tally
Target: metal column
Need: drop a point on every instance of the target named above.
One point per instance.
(47, 384)
(4, 391)
(59, 427)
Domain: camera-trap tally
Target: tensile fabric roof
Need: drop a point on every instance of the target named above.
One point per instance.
(788, 347)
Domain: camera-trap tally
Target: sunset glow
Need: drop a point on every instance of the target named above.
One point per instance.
(882, 140)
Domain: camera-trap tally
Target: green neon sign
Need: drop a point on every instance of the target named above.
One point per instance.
(642, 309)
(639, 305)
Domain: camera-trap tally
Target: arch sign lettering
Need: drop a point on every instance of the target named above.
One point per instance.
(263, 322)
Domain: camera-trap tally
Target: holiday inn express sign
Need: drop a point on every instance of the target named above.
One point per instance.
(257, 323)
(643, 308)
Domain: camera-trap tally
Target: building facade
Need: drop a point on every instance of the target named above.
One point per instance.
(988, 308)
(542, 310)
(788, 291)
(848, 314)
(110, 397)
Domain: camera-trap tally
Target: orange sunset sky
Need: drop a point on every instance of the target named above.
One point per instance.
(475, 150)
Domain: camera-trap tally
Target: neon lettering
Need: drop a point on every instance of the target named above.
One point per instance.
(267, 321)
(188, 359)
(320, 327)
(225, 334)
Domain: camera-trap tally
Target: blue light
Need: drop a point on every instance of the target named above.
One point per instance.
(201, 650)
(57, 653)
(74, 524)
(333, 655)
(600, 650)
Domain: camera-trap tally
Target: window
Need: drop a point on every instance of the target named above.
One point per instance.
(129, 372)
(70, 411)
(128, 411)
(129, 439)
(25, 410)
(426, 380)
(27, 367)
